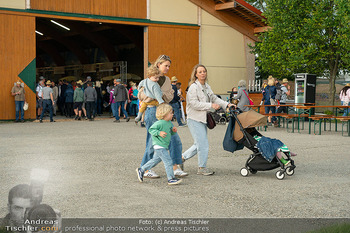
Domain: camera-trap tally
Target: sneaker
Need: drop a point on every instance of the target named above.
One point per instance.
(79, 119)
(143, 125)
(205, 171)
(22, 121)
(151, 174)
(128, 119)
(41, 121)
(184, 125)
(116, 121)
(139, 174)
(76, 118)
(174, 181)
(179, 173)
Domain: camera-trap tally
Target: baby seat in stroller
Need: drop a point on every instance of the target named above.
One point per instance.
(244, 132)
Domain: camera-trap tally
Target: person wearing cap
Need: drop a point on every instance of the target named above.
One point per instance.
(48, 101)
(120, 96)
(175, 102)
(344, 97)
(285, 89)
(19, 94)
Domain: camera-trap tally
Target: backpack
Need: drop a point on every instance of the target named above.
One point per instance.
(279, 93)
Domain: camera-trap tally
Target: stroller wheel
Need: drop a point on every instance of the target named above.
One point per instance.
(253, 171)
(280, 175)
(222, 121)
(289, 171)
(244, 172)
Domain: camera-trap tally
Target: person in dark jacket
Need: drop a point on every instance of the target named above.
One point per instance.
(269, 93)
(90, 97)
(68, 99)
(175, 102)
(120, 96)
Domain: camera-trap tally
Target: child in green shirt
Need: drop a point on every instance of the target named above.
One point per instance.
(161, 132)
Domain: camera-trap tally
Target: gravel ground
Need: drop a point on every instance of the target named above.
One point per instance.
(92, 174)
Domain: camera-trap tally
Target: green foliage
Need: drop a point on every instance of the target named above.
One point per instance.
(307, 36)
(328, 112)
(339, 228)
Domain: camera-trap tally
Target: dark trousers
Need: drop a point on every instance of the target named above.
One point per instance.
(282, 108)
(69, 109)
(47, 105)
(90, 106)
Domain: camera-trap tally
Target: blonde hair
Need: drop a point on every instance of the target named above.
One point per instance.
(271, 81)
(163, 110)
(161, 59)
(152, 71)
(194, 72)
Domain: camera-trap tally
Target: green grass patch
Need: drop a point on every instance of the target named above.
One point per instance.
(339, 228)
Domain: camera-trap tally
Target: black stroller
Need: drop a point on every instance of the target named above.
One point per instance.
(243, 134)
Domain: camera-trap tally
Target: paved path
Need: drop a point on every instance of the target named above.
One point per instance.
(92, 173)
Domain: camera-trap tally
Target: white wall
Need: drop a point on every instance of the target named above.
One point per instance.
(223, 53)
(177, 11)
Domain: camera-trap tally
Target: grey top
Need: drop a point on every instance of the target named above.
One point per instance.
(90, 94)
(243, 99)
(120, 93)
(152, 90)
(46, 93)
(284, 94)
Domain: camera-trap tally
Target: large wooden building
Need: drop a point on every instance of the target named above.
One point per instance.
(215, 33)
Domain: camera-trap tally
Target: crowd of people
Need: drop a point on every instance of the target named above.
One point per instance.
(86, 100)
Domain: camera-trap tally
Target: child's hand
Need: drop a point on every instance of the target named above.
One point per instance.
(174, 129)
(162, 134)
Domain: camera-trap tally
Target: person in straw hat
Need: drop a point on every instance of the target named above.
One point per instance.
(285, 88)
(48, 101)
(19, 94)
(344, 96)
(175, 102)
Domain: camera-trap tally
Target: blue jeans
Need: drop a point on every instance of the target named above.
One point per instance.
(175, 147)
(201, 144)
(113, 108)
(346, 110)
(47, 104)
(116, 111)
(176, 108)
(161, 154)
(19, 107)
(273, 110)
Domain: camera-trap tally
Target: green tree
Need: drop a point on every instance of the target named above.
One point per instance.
(259, 4)
(306, 36)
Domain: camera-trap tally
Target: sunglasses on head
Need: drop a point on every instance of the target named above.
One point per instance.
(165, 57)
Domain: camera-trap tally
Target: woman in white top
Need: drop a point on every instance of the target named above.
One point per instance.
(345, 98)
(200, 99)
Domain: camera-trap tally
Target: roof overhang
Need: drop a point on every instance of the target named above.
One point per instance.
(238, 14)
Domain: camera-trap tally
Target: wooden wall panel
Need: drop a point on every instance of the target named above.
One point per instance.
(17, 49)
(115, 8)
(181, 44)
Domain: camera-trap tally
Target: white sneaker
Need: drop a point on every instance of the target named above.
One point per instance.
(151, 174)
(179, 173)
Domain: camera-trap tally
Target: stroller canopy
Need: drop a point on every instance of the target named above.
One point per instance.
(248, 119)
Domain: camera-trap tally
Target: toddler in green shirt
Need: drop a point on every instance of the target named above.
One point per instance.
(161, 132)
